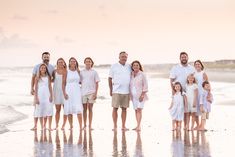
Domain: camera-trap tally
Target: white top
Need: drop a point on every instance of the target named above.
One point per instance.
(49, 67)
(89, 78)
(121, 75)
(199, 78)
(180, 73)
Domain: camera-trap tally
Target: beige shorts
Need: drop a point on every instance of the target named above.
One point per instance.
(205, 115)
(88, 99)
(120, 100)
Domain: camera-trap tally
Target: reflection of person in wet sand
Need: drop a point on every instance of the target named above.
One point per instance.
(177, 145)
(115, 145)
(70, 149)
(58, 145)
(138, 146)
(87, 150)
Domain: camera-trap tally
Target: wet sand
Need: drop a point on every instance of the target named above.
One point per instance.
(155, 139)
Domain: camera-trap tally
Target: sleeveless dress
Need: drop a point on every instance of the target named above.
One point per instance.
(57, 89)
(190, 97)
(74, 103)
(199, 78)
(45, 107)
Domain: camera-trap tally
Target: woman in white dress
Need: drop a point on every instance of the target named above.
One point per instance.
(138, 88)
(200, 77)
(57, 88)
(72, 94)
(43, 97)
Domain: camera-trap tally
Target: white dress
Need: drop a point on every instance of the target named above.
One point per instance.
(199, 78)
(57, 89)
(74, 103)
(177, 110)
(45, 107)
(190, 97)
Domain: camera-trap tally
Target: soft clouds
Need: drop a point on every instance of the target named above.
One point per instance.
(20, 17)
(14, 41)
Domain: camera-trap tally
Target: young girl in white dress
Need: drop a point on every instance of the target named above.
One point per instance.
(192, 99)
(177, 107)
(57, 88)
(138, 90)
(200, 76)
(43, 97)
(90, 83)
(72, 94)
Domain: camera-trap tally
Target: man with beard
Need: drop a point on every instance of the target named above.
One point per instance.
(45, 60)
(179, 73)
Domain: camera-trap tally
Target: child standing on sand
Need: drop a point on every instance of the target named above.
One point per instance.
(178, 106)
(192, 95)
(43, 97)
(206, 99)
(90, 83)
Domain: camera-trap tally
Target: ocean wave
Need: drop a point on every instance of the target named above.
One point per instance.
(9, 115)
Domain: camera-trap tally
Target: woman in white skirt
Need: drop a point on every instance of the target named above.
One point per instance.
(57, 88)
(138, 90)
(72, 94)
(43, 97)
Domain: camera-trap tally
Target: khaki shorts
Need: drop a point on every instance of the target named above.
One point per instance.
(120, 100)
(88, 99)
(205, 115)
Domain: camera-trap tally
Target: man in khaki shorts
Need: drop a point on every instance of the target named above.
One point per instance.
(119, 81)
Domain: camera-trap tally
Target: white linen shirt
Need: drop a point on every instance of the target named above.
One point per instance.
(180, 73)
(89, 78)
(121, 76)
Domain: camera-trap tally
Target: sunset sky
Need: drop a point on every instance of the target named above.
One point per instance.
(151, 31)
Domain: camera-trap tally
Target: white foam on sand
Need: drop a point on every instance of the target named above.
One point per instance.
(9, 115)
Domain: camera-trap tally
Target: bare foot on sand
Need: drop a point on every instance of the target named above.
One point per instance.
(125, 129)
(34, 128)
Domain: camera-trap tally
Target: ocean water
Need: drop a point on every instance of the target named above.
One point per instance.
(155, 139)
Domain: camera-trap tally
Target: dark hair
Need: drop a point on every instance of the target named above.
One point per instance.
(136, 61)
(200, 63)
(45, 53)
(65, 65)
(183, 53)
(122, 53)
(92, 62)
(204, 83)
(75, 61)
(47, 72)
(181, 89)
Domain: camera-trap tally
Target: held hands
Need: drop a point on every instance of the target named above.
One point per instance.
(32, 91)
(66, 96)
(94, 96)
(141, 98)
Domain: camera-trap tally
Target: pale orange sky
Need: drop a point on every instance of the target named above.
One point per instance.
(151, 31)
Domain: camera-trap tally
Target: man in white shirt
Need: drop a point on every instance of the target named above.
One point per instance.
(45, 60)
(119, 81)
(180, 72)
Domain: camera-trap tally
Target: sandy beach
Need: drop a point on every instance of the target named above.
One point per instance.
(155, 139)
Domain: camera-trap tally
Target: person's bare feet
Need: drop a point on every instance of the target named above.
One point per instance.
(114, 129)
(34, 128)
(125, 129)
